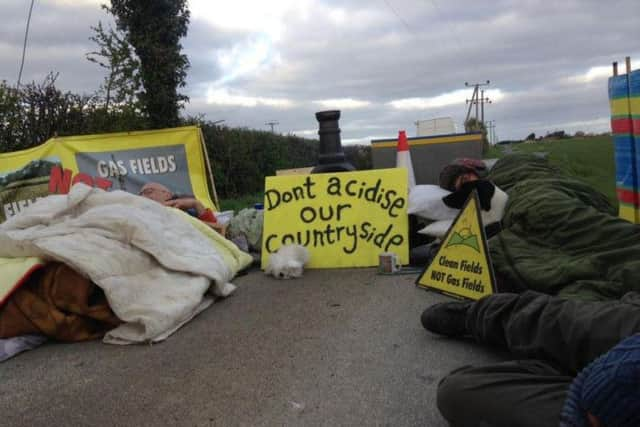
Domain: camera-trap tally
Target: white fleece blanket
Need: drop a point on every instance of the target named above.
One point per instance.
(152, 263)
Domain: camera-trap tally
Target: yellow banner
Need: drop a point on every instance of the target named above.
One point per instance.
(345, 219)
(118, 161)
(462, 266)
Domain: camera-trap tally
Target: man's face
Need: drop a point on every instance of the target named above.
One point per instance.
(593, 421)
(157, 192)
(464, 178)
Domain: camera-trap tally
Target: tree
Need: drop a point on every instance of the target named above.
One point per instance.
(37, 111)
(122, 83)
(11, 128)
(474, 125)
(558, 134)
(359, 156)
(531, 137)
(154, 29)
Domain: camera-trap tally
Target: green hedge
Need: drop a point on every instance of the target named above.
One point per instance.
(240, 157)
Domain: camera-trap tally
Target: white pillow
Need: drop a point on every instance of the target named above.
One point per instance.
(498, 203)
(437, 229)
(426, 201)
(495, 214)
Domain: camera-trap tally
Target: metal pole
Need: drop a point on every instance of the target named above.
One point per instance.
(476, 94)
(474, 98)
(493, 132)
(482, 104)
(634, 166)
(627, 61)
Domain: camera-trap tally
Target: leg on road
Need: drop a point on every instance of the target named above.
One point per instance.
(524, 393)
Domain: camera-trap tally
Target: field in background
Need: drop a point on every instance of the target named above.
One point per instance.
(588, 158)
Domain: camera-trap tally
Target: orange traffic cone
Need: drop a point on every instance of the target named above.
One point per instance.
(403, 157)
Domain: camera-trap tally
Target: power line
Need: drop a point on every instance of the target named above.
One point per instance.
(24, 45)
(398, 16)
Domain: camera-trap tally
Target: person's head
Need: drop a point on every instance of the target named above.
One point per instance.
(453, 176)
(607, 392)
(155, 191)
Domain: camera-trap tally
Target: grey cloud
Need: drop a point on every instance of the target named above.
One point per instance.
(58, 41)
(526, 48)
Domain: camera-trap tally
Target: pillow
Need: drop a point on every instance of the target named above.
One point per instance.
(485, 190)
(495, 214)
(425, 201)
(437, 229)
(498, 203)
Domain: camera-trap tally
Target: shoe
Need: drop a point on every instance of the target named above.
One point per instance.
(446, 318)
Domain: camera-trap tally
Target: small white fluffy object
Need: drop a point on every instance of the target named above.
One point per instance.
(288, 262)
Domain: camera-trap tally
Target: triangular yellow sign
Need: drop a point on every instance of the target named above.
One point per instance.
(462, 266)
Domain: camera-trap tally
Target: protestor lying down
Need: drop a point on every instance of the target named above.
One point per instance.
(442, 203)
(153, 264)
(59, 303)
(557, 234)
(553, 339)
(559, 237)
(189, 204)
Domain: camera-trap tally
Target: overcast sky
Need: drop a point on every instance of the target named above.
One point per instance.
(384, 63)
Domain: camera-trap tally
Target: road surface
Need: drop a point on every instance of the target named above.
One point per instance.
(335, 348)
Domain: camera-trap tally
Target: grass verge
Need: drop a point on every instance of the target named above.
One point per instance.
(589, 158)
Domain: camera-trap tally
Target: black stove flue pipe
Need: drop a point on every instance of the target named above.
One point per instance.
(331, 156)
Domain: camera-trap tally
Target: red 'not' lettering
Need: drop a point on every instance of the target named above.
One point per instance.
(59, 180)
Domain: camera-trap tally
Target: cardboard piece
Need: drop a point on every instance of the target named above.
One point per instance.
(462, 267)
(344, 219)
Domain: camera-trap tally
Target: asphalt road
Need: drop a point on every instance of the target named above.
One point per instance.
(335, 348)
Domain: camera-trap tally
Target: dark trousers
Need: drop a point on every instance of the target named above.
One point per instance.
(553, 338)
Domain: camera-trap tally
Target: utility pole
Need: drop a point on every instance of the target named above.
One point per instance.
(482, 101)
(272, 124)
(491, 125)
(474, 98)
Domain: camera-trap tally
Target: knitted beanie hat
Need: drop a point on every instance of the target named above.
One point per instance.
(450, 173)
(478, 166)
(608, 388)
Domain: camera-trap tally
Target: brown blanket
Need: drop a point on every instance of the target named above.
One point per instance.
(59, 303)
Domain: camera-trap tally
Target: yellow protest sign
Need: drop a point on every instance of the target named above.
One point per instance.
(462, 266)
(116, 161)
(344, 219)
